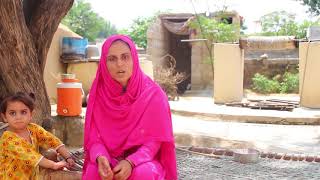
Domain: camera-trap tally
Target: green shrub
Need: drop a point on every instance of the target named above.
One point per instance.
(290, 83)
(262, 84)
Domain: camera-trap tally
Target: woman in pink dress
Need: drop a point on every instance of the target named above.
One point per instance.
(128, 128)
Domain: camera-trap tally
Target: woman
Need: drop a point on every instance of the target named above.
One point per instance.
(128, 128)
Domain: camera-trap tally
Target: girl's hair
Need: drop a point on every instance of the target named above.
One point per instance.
(26, 99)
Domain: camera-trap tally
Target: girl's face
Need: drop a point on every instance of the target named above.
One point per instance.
(119, 62)
(17, 115)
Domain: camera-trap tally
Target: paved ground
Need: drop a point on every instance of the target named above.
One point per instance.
(193, 166)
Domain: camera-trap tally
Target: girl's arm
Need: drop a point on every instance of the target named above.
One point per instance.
(63, 151)
(46, 140)
(46, 163)
(66, 155)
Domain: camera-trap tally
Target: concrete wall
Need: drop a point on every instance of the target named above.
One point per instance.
(228, 73)
(53, 65)
(309, 69)
(85, 72)
(147, 67)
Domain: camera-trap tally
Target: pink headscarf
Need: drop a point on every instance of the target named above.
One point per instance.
(124, 120)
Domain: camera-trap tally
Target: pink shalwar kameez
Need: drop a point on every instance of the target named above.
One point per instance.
(133, 124)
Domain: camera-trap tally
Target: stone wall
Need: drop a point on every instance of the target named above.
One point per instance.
(157, 44)
(201, 76)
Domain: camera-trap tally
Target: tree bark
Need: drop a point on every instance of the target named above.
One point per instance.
(25, 41)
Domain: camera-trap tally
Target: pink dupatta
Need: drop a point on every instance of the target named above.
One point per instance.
(124, 120)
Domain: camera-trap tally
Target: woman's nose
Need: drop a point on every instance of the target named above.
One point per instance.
(119, 62)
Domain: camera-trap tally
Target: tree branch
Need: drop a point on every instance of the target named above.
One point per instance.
(44, 23)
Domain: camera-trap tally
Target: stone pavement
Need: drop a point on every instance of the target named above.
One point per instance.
(194, 166)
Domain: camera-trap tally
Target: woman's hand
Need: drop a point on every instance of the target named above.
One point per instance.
(59, 165)
(104, 169)
(122, 171)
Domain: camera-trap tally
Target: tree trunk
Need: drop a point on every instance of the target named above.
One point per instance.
(26, 32)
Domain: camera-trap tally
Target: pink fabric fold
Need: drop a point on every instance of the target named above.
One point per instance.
(123, 120)
(145, 153)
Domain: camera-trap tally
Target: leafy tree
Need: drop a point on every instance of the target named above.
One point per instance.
(214, 31)
(314, 5)
(138, 30)
(85, 22)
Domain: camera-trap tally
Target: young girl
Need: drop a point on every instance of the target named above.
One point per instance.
(19, 145)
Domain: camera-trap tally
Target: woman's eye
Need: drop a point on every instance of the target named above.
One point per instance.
(12, 113)
(125, 57)
(111, 59)
(24, 112)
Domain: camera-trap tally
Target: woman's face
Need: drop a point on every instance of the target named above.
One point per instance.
(119, 62)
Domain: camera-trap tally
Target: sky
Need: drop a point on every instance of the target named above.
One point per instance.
(122, 12)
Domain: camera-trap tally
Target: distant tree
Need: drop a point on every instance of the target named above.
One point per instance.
(278, 23)
(138, 30)
(107, 30)
(282, 23)
(243, 26)
(85, 22)
(314, 5)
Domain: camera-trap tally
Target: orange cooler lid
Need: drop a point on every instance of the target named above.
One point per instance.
(69, 85)
(70, 80)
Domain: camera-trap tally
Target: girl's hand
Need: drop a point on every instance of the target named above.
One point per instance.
(104, 169)
(59, 165)
(70, 162)
(123, 170)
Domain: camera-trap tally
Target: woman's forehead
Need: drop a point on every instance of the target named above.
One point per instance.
(119, 47)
